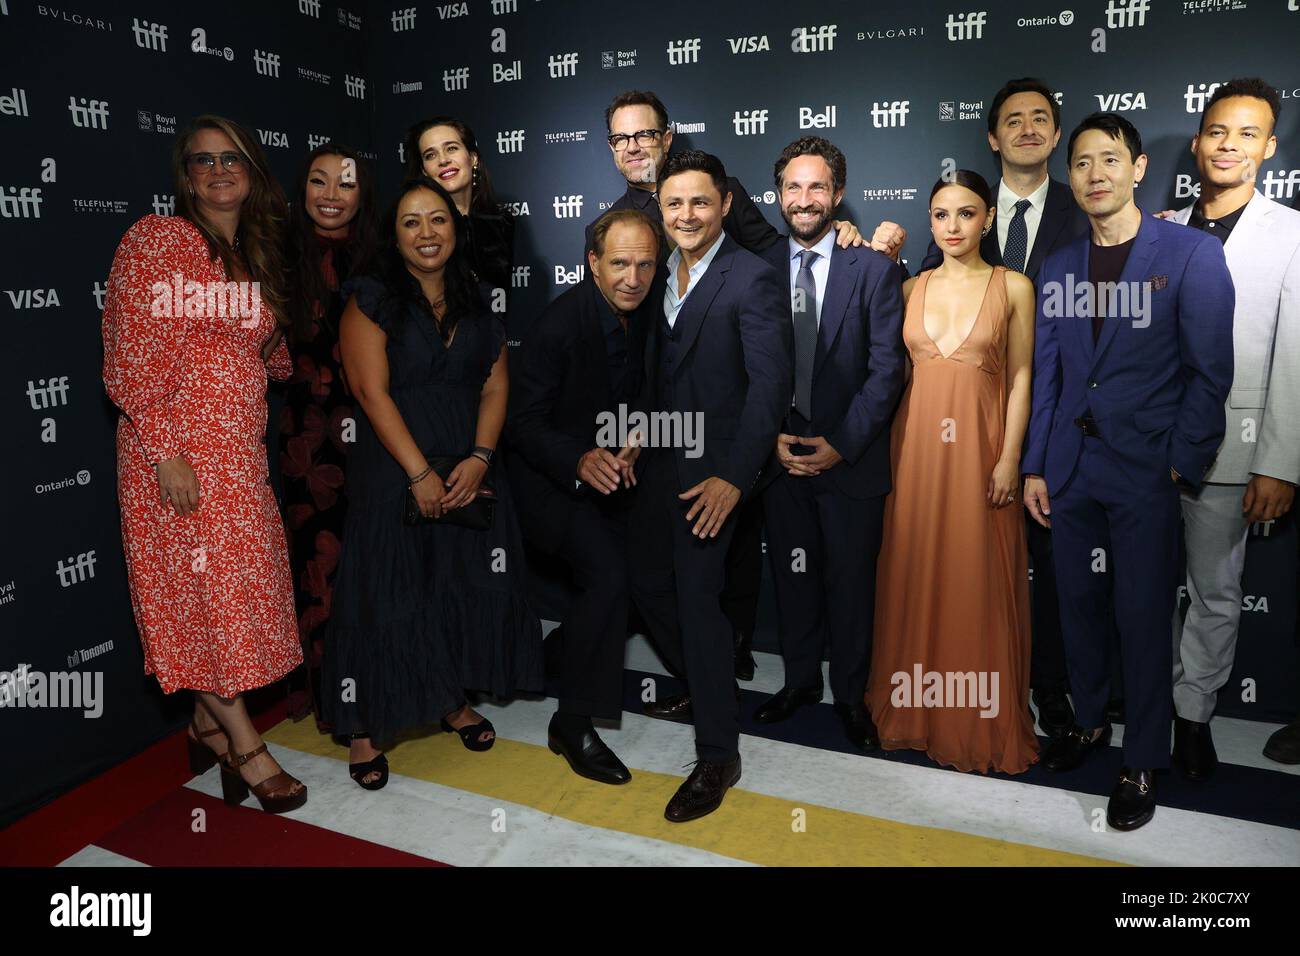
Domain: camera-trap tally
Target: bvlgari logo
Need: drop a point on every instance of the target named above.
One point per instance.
(74, 18)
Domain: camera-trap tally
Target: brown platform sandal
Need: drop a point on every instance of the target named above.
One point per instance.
(274, 793)
(201, 756)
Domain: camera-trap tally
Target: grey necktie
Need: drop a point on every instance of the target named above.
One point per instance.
(804, 309)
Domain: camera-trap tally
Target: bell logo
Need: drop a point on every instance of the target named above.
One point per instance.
(149, 36)
(355, 86)
(75, 570)
(507, 74)
(18, 203)
(810, 120)
(813, 39)
(563, 64)
(1185, 188)
(165, 205)
(49, 392)
(1126, 13)
(748, 44)
(749, 122)
(966, 26)
(91, 115)
(567, 207)
(1281, 183)
(1196, 95)
(889, 114)
(266, 64)
(683, 51)
(456, 78)
(403, 20)
(511, 141)
(1119, 102)
(563, 277)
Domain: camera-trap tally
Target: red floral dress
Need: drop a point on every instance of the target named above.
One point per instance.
(211, 590)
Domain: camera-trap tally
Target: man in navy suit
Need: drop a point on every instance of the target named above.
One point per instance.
(830, 473)
(718, 382)
(1133, 362)
(1036, 215)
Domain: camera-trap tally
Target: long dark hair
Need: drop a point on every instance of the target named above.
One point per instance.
(262, 218)
(971, 180)
(403, 290)
(482, 198)
(305, 248)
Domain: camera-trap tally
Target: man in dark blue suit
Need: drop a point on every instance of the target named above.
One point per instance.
(1132, 365)
(718, 382)
(1036, 215)
(830, 473)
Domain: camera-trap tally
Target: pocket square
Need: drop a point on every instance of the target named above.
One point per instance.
(1159, 282)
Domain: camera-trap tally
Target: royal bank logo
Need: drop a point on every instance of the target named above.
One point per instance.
(562, 64)
(749, 122)
(151, 122)
(890, 114)
(349, 19)
(617, 59)
(15, 104)
(966, 26)
(20, 202)
(455, 79)
(1121, 102)
(1121, 14)
(567, 207)
(149, 36)
(813, 39)
(403, 20)
(510, 141)
(88, 114)
(266, 63)
(1197, 94)
(750, 44)
(683, 51)
(950, 110)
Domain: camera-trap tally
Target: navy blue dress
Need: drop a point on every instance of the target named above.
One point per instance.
(422, 613)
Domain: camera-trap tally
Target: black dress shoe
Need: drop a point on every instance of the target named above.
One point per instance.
(703, 790)
(1055, 715)
(744, 656)
(858, 726)
(1194, 748)
(782, 705)
(1074, 747)
(1284, 745)
(1133, 801)
(676, 707)
(587, 754)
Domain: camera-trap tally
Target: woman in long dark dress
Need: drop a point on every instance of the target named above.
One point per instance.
(424, 612)
(332, 227)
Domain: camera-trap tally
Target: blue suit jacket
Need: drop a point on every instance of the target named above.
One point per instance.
(734, 365)
(858, 366)
(1155, 383)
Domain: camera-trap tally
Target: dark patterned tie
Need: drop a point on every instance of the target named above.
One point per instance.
(1013, 257)
(804, 309)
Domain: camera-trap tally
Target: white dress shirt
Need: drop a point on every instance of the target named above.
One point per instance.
(1033, 213)
(672, 301)
(821, 267)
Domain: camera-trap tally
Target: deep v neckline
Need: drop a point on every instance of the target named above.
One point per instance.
(969, 332)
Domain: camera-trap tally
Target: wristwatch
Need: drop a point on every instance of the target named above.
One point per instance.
(484, 453)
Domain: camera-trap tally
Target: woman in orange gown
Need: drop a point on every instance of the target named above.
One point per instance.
(950, 658)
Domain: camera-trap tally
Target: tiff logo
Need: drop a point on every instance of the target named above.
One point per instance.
(1196, 96)
(500, 7)
(315, 139)
(568, 207)
(813, 39)
(1127, 13)
(683, 51)
(457, 78)
(75, 570)
(267, 64)
(164, 205)
(510, 141)
(93, 115)
(519, 278)
(309, 8)
(149, 36)
(403, 19)
(48, 392)
(18, 203)
(749, 122)
(966, 26)
(563, 64)
(1281, 183)
(893, 113)
(355, 86)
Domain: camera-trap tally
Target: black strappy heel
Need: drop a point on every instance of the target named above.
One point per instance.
(470, 733)
(359, 771)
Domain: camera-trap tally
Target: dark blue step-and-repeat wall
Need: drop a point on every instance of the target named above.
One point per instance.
(91, 94)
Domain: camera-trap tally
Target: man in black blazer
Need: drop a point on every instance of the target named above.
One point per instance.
(1036, 215)
(582, 361)
(831, 469)
(718, 381)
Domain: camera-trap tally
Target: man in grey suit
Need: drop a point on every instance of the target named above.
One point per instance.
(1254, 477)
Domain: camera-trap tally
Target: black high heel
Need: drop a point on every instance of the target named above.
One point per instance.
(470, 733)
(359, 771)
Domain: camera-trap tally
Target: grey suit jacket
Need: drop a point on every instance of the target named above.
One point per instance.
(1263, 433)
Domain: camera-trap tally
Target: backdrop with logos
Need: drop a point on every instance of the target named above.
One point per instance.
(91, 95)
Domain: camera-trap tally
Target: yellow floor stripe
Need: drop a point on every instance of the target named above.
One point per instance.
(749, 826)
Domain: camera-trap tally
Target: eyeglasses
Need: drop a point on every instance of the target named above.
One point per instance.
(202, 162)
(643, 137)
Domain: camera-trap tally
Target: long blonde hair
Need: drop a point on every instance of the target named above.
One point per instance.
(263, 219)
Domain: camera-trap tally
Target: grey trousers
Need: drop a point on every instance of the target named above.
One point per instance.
(1205, 641)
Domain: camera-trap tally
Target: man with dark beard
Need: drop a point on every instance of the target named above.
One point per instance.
(830, 472)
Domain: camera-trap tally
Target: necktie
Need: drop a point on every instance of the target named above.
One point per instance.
(804, 309)
(1013, 257)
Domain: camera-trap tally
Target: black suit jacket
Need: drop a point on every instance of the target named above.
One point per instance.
(733, 365)
(1062, 223)
(559, 384)
(858, 368)
(744, 222)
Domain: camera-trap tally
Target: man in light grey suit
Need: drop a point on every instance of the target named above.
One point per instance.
(1255, 474)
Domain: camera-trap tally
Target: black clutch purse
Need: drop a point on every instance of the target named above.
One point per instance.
(477, 515)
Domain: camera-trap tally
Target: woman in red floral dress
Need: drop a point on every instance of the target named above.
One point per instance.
(192, 325)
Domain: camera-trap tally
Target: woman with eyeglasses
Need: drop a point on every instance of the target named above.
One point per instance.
(331, 228)
(193, 325)
(444, 149)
